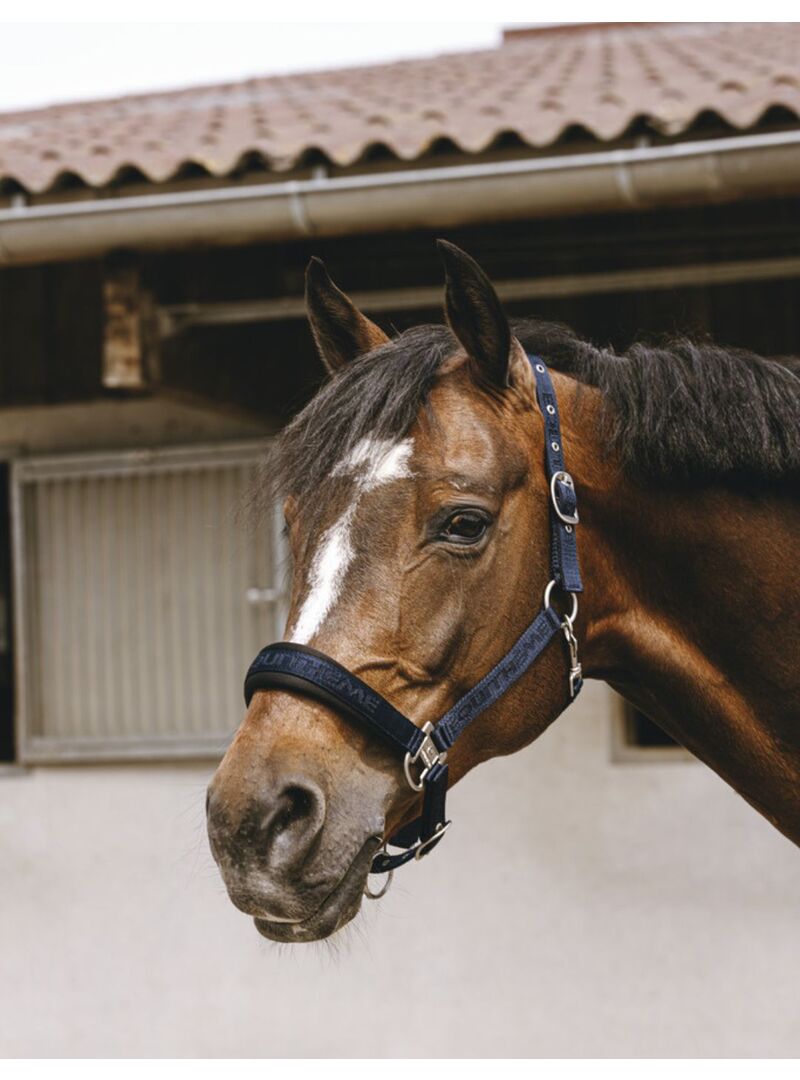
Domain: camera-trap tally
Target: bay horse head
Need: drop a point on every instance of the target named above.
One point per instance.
(417, 512)
(430, 518)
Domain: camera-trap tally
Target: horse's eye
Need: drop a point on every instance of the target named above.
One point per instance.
(465, 527)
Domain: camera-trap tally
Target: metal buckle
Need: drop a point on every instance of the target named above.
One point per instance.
(441, 829)
(429, 753)
(563, 478)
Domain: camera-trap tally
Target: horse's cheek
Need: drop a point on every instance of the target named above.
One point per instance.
(431, 621)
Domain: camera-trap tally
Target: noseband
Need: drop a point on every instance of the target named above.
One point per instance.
(306, 671)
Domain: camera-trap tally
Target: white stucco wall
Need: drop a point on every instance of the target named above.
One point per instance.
(578, 907)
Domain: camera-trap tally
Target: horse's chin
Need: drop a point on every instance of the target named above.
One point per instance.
(335, 911)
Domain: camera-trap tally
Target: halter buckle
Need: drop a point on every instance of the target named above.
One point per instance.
(428, 753)
(562, 478)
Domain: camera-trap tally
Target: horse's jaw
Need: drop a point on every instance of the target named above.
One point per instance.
(336, 910)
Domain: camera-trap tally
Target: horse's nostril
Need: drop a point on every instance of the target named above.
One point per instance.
(294, 810)
(290, 822)
(273, 831)
(297, 803)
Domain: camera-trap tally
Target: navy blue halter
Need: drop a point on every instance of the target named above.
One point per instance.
(287, 666)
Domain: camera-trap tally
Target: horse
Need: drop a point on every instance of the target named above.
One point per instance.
(419, 522)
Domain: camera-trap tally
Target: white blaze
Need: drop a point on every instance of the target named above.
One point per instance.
(374, 462)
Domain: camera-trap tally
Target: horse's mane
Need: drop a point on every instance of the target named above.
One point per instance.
(687, 411)
(678, 412)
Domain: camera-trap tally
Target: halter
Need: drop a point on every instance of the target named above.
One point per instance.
(287, 666)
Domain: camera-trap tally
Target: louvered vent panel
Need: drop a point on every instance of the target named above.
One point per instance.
(145, 597)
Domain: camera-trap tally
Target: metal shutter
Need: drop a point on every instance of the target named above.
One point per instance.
(141, 597)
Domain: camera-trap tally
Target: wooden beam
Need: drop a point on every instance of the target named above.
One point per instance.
(175, 318)
(129, 336)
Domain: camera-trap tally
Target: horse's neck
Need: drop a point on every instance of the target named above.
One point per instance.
(692, 602)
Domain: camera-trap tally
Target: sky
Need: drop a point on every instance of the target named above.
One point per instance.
(48, 62)
(54, 52)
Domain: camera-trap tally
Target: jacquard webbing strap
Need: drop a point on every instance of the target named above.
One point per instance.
(563, 547)
(298, 667)
(495, 683)
(422, 830)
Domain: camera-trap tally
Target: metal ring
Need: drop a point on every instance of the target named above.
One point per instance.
(423, 844)
(414, 784)
(573, 614)
(381, 892)
(564, 478)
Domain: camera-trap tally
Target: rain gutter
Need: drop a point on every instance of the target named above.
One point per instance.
(640, 178)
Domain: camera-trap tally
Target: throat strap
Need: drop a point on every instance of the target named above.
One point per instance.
(504, 674)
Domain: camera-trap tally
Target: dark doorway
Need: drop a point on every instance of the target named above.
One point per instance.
(7, 748)
(641, 731)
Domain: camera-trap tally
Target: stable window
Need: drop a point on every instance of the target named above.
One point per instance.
(644, 732)
(141, 596)
(7, 749)
(635, 737)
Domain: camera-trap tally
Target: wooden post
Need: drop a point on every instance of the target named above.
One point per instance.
(130, 353)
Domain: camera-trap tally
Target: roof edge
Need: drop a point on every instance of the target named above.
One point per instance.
(718, 170)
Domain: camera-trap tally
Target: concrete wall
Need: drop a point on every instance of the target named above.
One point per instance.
(122, 424)
(578, 907)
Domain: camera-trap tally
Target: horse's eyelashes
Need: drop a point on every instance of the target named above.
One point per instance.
(465, 526)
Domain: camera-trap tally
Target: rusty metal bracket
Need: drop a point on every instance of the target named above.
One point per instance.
(130, 335)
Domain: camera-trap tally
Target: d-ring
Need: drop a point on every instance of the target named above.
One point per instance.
(423, 845)
(381, 892)
(573, 614)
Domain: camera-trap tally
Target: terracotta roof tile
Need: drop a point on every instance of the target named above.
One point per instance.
(534, 86)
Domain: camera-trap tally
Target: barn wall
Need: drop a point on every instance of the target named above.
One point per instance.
(577, 907)
(51, 317)
(50, 333)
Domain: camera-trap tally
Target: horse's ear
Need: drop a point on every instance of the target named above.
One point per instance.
(475, 315)
(340, 330)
